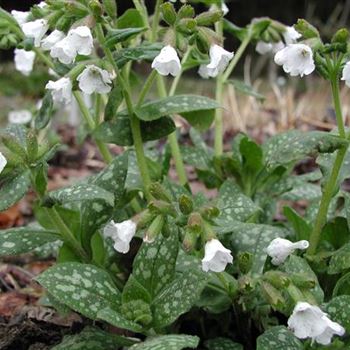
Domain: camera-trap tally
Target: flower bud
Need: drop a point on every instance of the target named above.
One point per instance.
(341, 36)
(246, 284)
(321, 65)
(209, 213)
(32, 145)
(11, 144)
(160, 207)
(185, 204)
(154, 229)
(74, 8)
(307, 30)
(186, 25)
(209, 18)
(277, 278)
(273, 296)
(111, 8)
(27, 44)
(190, 240)
(137, 311)
(159, 192)
(144, 219)
(169, 13)
(96, 9)
(64, 23)
(302, 280)
(186, 11)
(195, 222)
(245, 262)
(203, 41)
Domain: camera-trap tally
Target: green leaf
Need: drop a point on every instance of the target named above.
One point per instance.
(239, 32)
(133, 290)
(114, 101)
(119, 131)
(301, 227)
(175, 105)
(116, 36)
(339, 310)
(83, 287)
(144, 52)
(154, 265)
(45, 112)
(16, 241)
(234, 205)
(13, 189)
(131, 18)
(252, 155)
(80, 193)
(294, 265)
(94, 339)
(246, 89)
(342, 286)
(293, 146)
(340, 260)
(277, 338)
(168, 342)
(222, 344)
(178, 297)
(254, 238)
(117, 320)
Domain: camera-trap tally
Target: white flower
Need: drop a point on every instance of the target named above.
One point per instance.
(36, 30)
(121, 233)
(20, 117)
(291, 35)
(78, 41)
(52, 39)
(346, 74)
(219, 59)
(61, 90)
(263, 48)
(3, 162)
(279, 249)
(24, 61)
(308, 321)
(296, 59)
(94, 79)
(224, 8)
(167, 62)
(216, 256)
(20, 16)
(42, 4)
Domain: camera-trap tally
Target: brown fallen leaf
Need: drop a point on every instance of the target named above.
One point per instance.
(11, 303)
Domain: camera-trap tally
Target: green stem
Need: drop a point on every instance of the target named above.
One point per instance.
(91, 124)
(44, 58)
(219, 127)
(146, 87)
(155, 21)
(331, 184)
(134, 121)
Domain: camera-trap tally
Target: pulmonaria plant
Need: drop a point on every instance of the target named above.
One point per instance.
(140, 251)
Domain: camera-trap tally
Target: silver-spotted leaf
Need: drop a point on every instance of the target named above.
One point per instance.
(340, 260)
(339, 310)
(277, 338)
(222, 344)
(24, 240)
(84, 288)
(168, 342)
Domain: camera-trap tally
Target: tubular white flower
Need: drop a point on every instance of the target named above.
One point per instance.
(63, 51)
(279, 249)
(52, 39)
(81, 39)
(24, 61)
(263, 48)
(36, 30)
(346, 74)
(42, 4)
(20, 117)
(219, 59)
(167, 62)
(296, 59)
(121, 233)
(20, 16)
(291, 35)
(61, 90)
(225, 10)
(3, 162)
(94, 79)
(216, 256)
(309, 321)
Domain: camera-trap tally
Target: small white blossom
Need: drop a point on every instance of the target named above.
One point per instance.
(52, 39)
(20, 16)
(296, 59)
(279, 249)
(94, 79)
(24, 61)
(167, 62)
(121, 233)
(309, 321)
(219, 59)
(216, 256)
(61, 90)
(291, 35)
(42, 4)
(36, 30)
(224, 8)
(20, 117)
(263, 48)
(78, 41)
(346, 74)
(3, 162)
